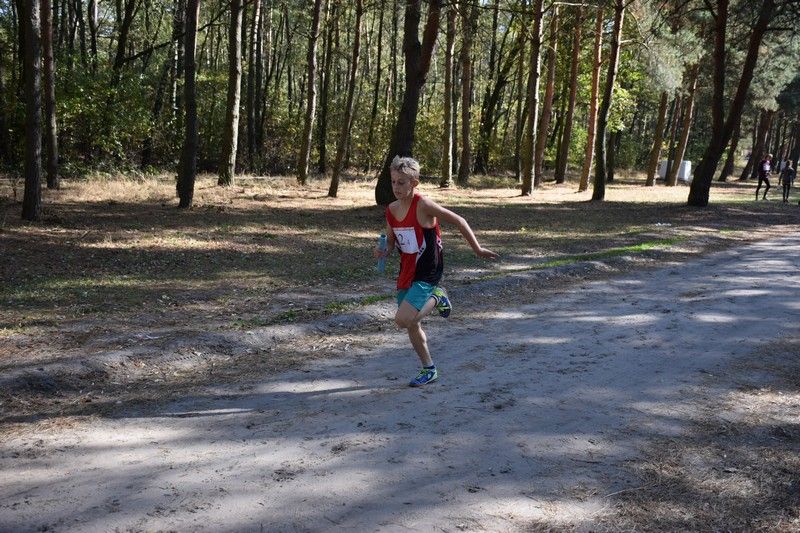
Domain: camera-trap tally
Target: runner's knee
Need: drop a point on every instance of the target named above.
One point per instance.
(404, 321)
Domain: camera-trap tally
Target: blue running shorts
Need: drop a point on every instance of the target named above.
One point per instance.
(417, 295)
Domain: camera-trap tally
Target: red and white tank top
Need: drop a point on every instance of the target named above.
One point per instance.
(420, 248)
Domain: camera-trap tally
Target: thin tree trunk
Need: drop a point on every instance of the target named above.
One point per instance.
(32, 198)
(768, 141)
(554, 138)
(529, 141)
(252, 83)
(454, 114)
(178, 66)
(519, 127)
(4, 136)
(447, 130)
(311, 96)
(377, 87)
(418, 62)
(158, 103)
(93, 24)
(673, 129)
(777, 138)
(613, 146)
(727, 168)
(492, 101)
(81, 30)
(794, 152)
(51, 129)
(347, 120)
(672, 177)
(658, 139)
(547, 104)
(188, 164)
(122, 41)
(757, 126)
(322, 164)
(260, 68)
(469, 17)
(760, 148)
(230, 134)
(69, 7)
(592, 128)
(486, 120)
(392, 96)
(600, 177)
(566, 138)
(289, 63)
(18, 66)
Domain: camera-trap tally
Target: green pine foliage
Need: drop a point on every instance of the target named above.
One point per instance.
(132, 118)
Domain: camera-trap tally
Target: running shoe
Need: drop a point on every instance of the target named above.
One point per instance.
(425, 376)
(443, 305)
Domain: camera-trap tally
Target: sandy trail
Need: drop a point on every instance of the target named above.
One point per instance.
(538, 409)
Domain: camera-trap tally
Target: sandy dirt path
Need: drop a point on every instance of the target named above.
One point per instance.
(538, 409)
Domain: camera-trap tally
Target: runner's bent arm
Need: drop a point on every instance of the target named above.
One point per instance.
(432, 209)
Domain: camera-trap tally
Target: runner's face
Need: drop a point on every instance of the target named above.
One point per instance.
(402, 186)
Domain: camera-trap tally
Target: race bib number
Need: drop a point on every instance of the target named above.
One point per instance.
(406, 240)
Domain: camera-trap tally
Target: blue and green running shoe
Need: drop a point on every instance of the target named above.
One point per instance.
(443, 305)
(425, 376)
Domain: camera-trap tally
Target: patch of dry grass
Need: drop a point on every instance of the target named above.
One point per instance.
(266, 249)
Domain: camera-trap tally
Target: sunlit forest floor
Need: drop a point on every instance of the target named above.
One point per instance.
(267, 251)
(166, 295)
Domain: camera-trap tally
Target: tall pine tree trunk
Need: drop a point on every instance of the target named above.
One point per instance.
(391, 88)
(418, 63)
(447, 130)
(129, 10)
(469, 16)
(155, 113)
(760, 147)
(547, 104)
(672, 177)
(51, 129)
(529, 138)
(520, 114)
(93, 26)
(230, 134)
(588, 157)
(727, 168)
(32, 198)
(324, 97)
(599, 191)
(304, 158)
(347, 120)
(566, 137)
(757, 125)
(658, 139)
(487, 119)
(253, 65)
(673, 133)
(188, 164)
(373, 116)
(491, 108)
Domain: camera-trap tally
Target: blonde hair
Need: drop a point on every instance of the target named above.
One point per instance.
(405, 166)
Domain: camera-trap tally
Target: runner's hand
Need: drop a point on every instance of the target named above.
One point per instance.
(486, 254)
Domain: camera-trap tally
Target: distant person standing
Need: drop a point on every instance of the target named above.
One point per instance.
(787, 178)
(764, 168)
(780, 166)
